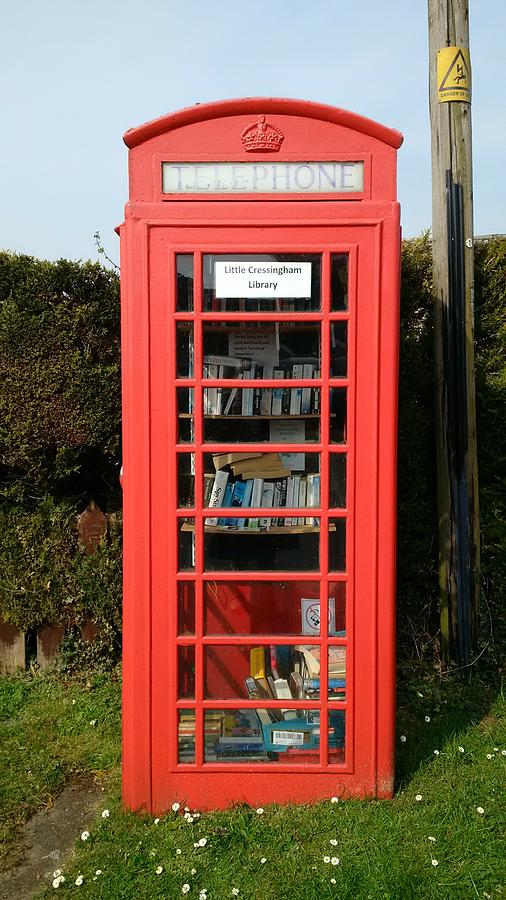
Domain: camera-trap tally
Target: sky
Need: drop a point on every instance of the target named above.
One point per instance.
(76, 74)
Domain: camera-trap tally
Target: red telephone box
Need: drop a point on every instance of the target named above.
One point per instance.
(260, 289)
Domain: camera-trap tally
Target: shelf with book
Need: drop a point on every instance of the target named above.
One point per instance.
(253, 532)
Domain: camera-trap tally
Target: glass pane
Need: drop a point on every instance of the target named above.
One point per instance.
(261, 349)
(186, 736)
(337, 545)
(339, 276)
(261, 735)
(186, 544)
(270, 607)
(253, 547)
(270, 671)
(185, 407)
(277, 282)
(338, 349)
(337, 736)
(186, 479)
(234, 426)
(186, 673)
(337, 673)
(337, 468)
(338, 415)
(186, 607)
(184, 349)
(259, 607)
(184, 269)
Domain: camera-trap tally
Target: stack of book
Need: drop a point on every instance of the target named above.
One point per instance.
(259, 479)
(214, 726)
(305, 677)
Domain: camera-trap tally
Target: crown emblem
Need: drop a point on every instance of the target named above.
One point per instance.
(262, 137)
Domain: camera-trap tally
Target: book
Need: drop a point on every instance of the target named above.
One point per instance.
(221, 460)
(313, 496)
(302, 498)
(316, 395)
(305, 402)
(295, 496)
(257, 665)
(231, 398)
(217, 494)
(227, 498)
(246, 500)
(256, 500)
(212, 392)
(289, 498)
(296, 392)
(266, 393)
(283, 692)
(208, 487)
(248, 393)
(267, 501)
(277, 394)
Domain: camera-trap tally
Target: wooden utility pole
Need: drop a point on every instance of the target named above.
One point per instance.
(453, 257)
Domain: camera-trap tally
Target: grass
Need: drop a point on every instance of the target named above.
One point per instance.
(383, 847)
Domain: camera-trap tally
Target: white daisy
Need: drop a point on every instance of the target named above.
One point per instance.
(159, 870)
(85, 835)
(105, 814)
(175, 807)
(79, 880)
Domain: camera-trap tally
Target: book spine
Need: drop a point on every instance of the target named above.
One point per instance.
(289, 498)
(231, 398)
(296, 393)
(256, 500)
(302, 498)
(310, 496)
(217, 494)
(227, 499)
(295, 496)
(246, 500)
(278, 490)
(277, 394)
(305, 402)
(316, 395)
(267, 501)
(266, 393)
(212, 392)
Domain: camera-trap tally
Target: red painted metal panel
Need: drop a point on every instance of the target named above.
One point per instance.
(154, 233)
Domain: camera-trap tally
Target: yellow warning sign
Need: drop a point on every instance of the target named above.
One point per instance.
(453, 74)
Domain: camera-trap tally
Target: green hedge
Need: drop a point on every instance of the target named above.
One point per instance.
(60, 424)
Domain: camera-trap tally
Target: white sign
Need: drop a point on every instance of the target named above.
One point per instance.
(310, 610)
(263, 178)
(260, 346)
(288, 737)
(262, 279)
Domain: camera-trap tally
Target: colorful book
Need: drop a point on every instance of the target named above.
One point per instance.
(227, 498)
